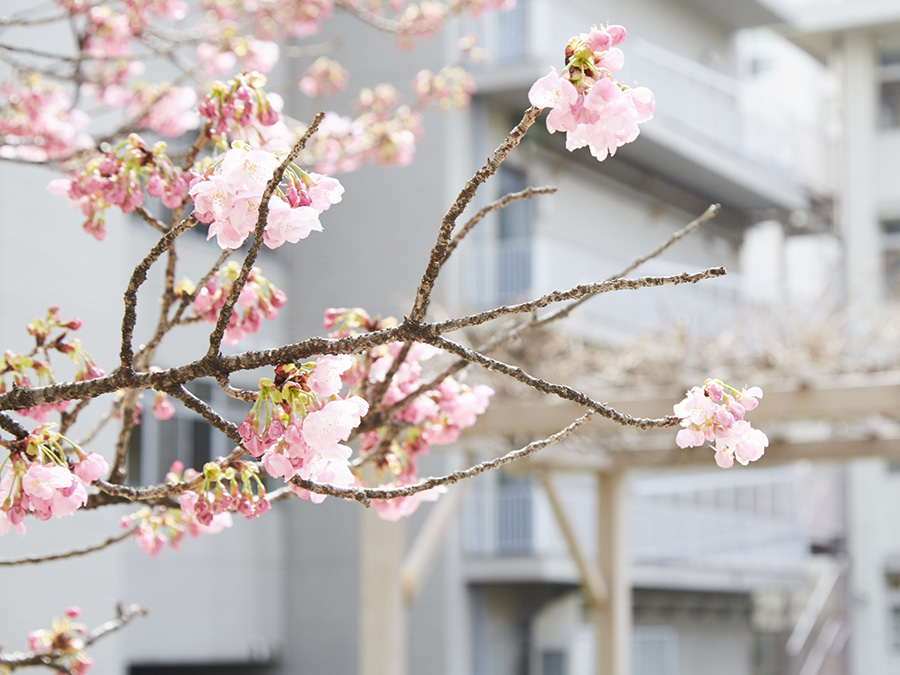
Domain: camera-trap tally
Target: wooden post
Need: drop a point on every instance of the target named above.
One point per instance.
(592, 583)
(613, 618)
(382, 649)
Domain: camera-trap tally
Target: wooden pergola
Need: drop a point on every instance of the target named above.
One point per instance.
(859, 409)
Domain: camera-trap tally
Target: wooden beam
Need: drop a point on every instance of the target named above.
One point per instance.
(429, 540)
(662, 452)
(592, 582)
(835, 398)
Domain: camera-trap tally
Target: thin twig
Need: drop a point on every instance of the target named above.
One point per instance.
(74, 553)
(562, 391)
(380, 388)
(69, 417)
(138, 276)
(102, 422)
(439, 251)
(504, 201)
(365, 495)
(23, 659)
(580, 291)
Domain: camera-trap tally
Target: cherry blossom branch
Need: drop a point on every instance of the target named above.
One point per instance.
(711, 212)
(232, 392)
(15, 660)
(26, 397)
(74, 553)
(123, 617)
(504, 201)
(371, 18)
(215, 338)
(129, 403)
(13, 427)
(380, 388)
(580, 291)
(439, 251)
(206, 412)
(543, 386)
(69, 417)
(188, 299)
(365, 495)
(138, 277)
(374, 420)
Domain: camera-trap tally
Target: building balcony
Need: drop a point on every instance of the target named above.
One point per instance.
(702, 138)
(735, 532)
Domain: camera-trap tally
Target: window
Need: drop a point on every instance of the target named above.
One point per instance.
(891, 252)
(889, 75)
(514, 240)
(553, 662)
(514, 521)
(186, 437)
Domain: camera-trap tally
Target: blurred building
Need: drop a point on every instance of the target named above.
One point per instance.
(739, 572)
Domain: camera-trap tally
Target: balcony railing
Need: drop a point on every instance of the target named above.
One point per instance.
(707, 106)
(511, 271)
(710, 107)
(716, 522)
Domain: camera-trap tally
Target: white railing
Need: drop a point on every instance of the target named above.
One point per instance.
(504, 272)
(707, 106)
(691, 98)
(718, 522)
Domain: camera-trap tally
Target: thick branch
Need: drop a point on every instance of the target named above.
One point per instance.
(27, 397)
(13, 427)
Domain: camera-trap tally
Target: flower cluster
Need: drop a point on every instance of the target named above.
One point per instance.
(429, 16)
(451, 87)
(221, 491)
(43, 480)
(118, 178)
(64, 643)
(20, 368)
(385, 132)
(715, 413)
(298, 423)
(38, 123)
(258, 298)
(435, 417)
(273, 20)
(237, 105)
(587, 102)
(323, 78)
(156, 527)
(231, 47)
(228, 195)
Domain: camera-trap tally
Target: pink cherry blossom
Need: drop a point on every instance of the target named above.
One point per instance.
(325, 380)
(91, 467)
(586, 102)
